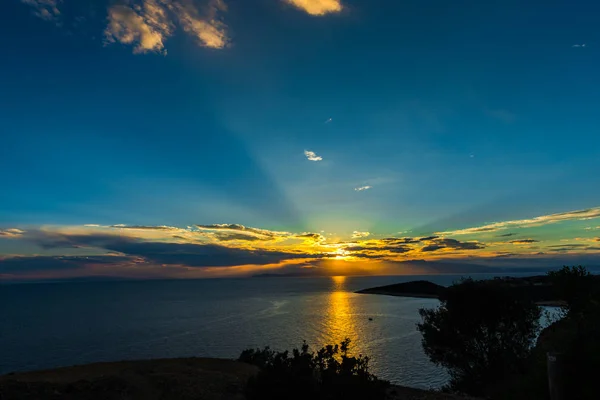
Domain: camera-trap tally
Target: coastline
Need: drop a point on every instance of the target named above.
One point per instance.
(389, 293)
(538, 288)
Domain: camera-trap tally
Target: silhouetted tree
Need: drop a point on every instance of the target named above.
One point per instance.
(576, 286)
(481, 332)
(330, 374)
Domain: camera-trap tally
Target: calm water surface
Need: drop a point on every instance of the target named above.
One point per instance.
(50, 325)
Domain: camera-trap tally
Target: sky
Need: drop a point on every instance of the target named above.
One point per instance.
(216, 138)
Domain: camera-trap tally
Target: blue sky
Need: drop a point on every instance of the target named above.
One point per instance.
(199, 112)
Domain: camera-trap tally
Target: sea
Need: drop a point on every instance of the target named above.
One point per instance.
(47, 325)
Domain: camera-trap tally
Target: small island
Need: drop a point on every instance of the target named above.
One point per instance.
(538, 288)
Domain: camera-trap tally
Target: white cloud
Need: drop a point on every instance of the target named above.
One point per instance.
(146, 27)
(589, 213)
(318, 7)
(312, 156)
(209, 31)
(361, 188)
(357, 234)
(45, 9)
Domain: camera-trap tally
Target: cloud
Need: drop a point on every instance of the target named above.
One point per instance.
(11, 233)
(361, 188)
(45, 9)
(147, 24)
(526, 223)
(143, 227)
(376, 251)
(432, 247)
(425, 239)
(458, 245)
(523, 241)
(390, 248)
(21, 265)
(208, 29)
(406, 240)
(188, 254)
(142, 251)
(241, 232)
(357, 234)
(312, 156)
(318, 7)
(573, 245)
(439, 244)
(312, 237)
(507, 235)
(145, 27)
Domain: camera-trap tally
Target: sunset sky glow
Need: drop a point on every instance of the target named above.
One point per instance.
(218, 138)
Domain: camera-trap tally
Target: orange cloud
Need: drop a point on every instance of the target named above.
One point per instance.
(318, 7)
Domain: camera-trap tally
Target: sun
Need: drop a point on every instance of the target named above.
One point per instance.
(341, 254)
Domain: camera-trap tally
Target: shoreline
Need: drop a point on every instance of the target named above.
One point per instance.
(537, 288)
(167, 378)
(388, 293)
(544, 303)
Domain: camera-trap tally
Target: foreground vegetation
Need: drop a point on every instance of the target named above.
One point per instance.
(488, 338)
(330, 373)
(481, 331)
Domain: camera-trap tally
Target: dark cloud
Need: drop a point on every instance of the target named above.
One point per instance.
(314, 236)
(437, 244)
(428, 238)
(48, 240)
(201, 255)
(227, 236)
(392, 249)
(458, 245)
(18, 265)
(406, 240)
(523, 241)
(507, 235)
(432, 247)
(190, 254)
(504, 255)
(571, 247)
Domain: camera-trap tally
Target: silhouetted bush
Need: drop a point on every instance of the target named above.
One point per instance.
(481, 333)
(330, 373)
